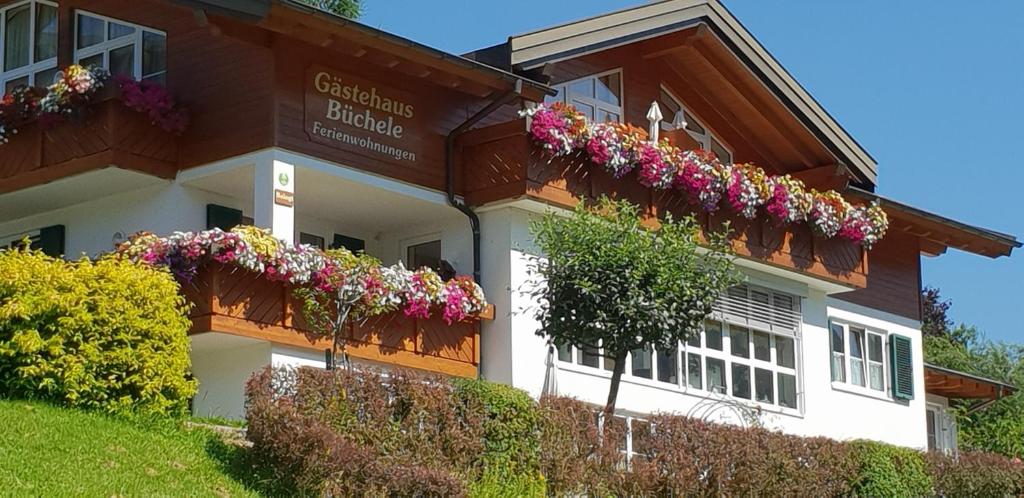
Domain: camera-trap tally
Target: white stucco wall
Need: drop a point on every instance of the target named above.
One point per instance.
(514, 354)
(90, 226)
(222, 370)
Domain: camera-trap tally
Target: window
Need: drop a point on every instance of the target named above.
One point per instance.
(756, 365)
(858, 357)
(29, 54)
(120, 47)
(426, 254)
(742, 354)
(311, 240)
(49, 239)
(673, 110)
(942, 430)
(599, 97)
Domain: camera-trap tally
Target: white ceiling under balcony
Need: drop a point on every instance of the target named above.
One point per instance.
(337, 194)
(72, 190)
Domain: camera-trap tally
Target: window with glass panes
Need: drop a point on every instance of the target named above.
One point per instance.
(744, 363)
(858, 356)
(120, 47)
(29, 55)
(672, 106)
(731, 356)
(598, 97)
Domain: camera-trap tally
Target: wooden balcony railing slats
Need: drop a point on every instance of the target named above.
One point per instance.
(503, 163)
(233, 301)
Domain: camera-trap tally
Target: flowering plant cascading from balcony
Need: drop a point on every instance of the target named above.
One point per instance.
(73, 94)
(621, 148)
(373, 288)
(153, 100)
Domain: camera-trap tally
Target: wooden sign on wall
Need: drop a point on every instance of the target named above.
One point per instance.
(360, 116)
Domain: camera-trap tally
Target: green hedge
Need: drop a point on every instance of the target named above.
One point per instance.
(890, 471)
(467, 437)
(105, 334)
(510, 428)
(351, 433)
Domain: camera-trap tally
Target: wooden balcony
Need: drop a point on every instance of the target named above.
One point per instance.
(233, 301)
(502, 163)
(110, 135)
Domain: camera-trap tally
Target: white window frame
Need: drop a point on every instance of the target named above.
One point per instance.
(846, 383)
(567, 97)
(107, 46)
(709, 134)
(946, 432)
(33, 67)
(682, 375)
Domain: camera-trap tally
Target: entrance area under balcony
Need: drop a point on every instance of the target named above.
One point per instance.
(242, 321)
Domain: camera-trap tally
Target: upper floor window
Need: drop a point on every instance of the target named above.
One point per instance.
(747, 351)
(858, 356)
(599, 97)
(29, 31)
(674, 111)
(120, 47)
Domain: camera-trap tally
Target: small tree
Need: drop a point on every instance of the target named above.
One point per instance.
(342, 296)
(606, 280)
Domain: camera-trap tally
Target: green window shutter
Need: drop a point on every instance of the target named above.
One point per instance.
(221, 217)
(901, 354)
(351, 243)
(50, 241)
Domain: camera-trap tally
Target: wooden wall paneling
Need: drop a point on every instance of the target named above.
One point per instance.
(893, 279)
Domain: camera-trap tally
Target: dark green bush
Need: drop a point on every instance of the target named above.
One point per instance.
(889, 471)
(511, 434)
(106, 334)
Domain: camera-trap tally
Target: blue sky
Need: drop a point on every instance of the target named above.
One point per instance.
(935, 94)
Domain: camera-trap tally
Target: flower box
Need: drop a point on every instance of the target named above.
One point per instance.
(109, 135)
(230, 300)
(507, 164)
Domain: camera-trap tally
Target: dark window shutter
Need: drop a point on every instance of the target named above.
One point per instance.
(351, 243)
(901, 353)
(221, 217)
(50, 241)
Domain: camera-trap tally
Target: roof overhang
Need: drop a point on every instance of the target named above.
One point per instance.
(535, 49)
(325, 29)
(954, 384)
(937, 233)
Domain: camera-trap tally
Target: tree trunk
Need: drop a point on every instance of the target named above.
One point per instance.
(613, 390)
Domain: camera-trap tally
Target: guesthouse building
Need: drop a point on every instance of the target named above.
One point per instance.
(331, 133)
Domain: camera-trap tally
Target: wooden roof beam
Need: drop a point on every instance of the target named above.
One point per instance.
(711, 45)
(668, 45)
(725, 83)
(701, 94)
(831, 177)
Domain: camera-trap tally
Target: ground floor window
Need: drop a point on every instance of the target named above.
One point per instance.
(941, 427)
(742, 361)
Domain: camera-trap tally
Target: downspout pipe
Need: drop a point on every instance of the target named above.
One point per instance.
(449, 167)
(449, 173)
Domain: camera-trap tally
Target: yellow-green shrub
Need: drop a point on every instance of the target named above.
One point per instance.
(106, 334)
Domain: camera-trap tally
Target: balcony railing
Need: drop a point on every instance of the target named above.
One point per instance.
(233, 301)
(505, 164)
(109, 135)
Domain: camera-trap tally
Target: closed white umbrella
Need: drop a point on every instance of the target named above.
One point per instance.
(551, 374)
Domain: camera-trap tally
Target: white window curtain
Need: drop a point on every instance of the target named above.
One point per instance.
(17, 37)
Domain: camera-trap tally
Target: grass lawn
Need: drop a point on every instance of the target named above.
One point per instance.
(52, 451)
